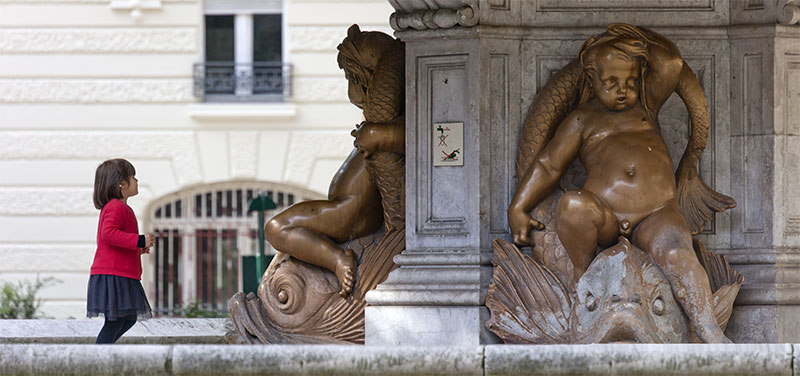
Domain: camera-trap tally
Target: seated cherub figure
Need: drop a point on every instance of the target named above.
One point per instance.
(630, 189)
(312, 230)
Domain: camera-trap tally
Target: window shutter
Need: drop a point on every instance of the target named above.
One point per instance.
(243, 6)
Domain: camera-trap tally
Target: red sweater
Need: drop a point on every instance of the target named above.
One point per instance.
(117, 242)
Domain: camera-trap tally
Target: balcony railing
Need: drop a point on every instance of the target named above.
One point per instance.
(231, 82)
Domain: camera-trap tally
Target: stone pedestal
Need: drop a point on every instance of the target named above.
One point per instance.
(481, 62)
(437, 296)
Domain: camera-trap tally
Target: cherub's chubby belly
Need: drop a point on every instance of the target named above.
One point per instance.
(631, 172)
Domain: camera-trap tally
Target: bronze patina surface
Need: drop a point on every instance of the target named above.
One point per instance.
(602, 109)
(333, 251)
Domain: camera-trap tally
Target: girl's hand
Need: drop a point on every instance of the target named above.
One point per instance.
(143, 251)
(149, 240)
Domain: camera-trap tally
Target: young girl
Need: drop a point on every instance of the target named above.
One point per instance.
(115, 290)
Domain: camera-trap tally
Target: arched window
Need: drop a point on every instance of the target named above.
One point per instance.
(204, 236)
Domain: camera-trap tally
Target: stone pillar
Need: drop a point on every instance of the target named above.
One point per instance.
(765, 168)
(437, 296)
(481, 62)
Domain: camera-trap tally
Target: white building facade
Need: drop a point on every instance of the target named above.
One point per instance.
(211, 100)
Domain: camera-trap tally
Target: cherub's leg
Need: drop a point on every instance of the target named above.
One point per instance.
(310, 230)
(583, 222)
(665, 235)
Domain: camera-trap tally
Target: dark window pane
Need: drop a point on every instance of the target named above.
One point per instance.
(267, 38)
(178, 208)
(219, 38)
(220, 77)
(168, 211)
(280, 199)
(198, 206)
(158, 213)
(208, 205)
(291, 199)
(249, 198)
(229, 206)
(267, 58)
(239, 204)
(219, 204)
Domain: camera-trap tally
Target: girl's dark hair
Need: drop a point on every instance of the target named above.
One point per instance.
(107, 179)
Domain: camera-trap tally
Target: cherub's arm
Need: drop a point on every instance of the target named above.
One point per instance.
(542, 177)
(372, 137)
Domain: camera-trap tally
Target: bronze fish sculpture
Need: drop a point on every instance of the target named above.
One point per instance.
(622, 297)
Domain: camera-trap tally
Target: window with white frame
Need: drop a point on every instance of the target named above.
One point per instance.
(243, 52)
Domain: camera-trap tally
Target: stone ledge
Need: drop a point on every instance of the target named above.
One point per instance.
(151, 331)
(650, 359)
(640, 359)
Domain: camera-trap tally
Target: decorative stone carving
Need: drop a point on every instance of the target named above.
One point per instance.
(788, 12)
(60, 201)
(433, 14)
(333, 251)
(21, 90)
(136, 6)
(602, 109)
(92, 40)
(178, 147)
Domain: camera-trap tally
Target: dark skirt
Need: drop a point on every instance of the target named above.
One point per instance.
(116, 297)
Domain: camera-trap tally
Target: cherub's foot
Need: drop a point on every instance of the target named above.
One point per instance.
(345, 271)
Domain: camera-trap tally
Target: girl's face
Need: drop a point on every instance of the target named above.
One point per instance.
(130, 187)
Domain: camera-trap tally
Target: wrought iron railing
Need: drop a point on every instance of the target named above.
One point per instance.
(229, 81)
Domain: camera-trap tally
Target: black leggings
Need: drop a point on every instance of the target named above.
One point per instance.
(113, 329)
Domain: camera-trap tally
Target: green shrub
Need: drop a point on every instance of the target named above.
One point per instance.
(19, 301)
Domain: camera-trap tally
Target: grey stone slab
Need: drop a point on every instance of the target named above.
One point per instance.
(326, 360)
(427, 326)
(151, 331)
(639, 359)
(84, 359)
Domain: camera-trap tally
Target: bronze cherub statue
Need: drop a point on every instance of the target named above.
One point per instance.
(602, 109)
(333, 251)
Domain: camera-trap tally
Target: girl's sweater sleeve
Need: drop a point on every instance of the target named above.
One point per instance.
(112, 232)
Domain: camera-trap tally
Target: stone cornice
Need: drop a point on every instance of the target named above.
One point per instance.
(433, 14)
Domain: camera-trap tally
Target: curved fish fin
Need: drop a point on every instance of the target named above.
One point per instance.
(697, 201)
(527, 302)
(725, 282)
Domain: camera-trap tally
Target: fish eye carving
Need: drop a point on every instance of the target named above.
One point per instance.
(658, 306)
(591, 303)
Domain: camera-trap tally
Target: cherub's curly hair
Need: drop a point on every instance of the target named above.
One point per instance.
(359, 53)
(630, 42)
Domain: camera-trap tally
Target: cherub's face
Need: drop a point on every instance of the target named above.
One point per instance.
(616, 81)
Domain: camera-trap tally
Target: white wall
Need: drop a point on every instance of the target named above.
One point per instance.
(81, 83)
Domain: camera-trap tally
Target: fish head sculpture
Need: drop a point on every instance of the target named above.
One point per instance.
(624, 297)
(294, 293)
